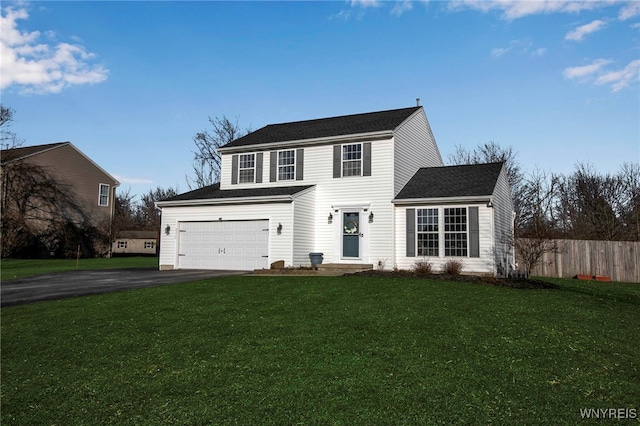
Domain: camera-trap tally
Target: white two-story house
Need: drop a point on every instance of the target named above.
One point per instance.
(365, 189)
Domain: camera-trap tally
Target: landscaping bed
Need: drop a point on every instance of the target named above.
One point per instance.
(525, 283)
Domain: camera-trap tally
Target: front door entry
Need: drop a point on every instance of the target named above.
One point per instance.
(351, 234)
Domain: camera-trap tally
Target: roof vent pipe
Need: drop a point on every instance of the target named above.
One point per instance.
(417, 101)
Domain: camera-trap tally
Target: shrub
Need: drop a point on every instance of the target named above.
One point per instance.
(453, 267)
(422, 267)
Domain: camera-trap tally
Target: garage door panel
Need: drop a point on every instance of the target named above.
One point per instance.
(239, 245)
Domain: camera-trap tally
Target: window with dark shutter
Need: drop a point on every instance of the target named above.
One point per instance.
(411, 232)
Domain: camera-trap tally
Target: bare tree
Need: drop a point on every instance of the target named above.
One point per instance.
(536, 234)
(206, 161)
(8, 139)
(148, 217)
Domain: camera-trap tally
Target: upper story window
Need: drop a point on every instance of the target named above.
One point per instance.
(352, 159)
(287, 165)
(455, 231)
(103, 195)
(427, 232)
(247, 168)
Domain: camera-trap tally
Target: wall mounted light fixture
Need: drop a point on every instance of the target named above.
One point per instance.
(167, 230)
(490, 204)
(330, 218)
(279, 228)
(371, 217)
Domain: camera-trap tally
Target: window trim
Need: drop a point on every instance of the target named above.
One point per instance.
(464, 249)
(428, 251)
(293, 165)
(359, 160)
(101, 195)
(122, 244)
(241, 169)
(472, 236)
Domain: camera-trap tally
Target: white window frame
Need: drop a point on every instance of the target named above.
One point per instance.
(426, 229)
(252, 168)
(345, 161)
(102, 195)
(455, 251)
(286, 169)
(149, 244)
(122, 244)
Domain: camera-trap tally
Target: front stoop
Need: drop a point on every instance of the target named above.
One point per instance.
(324, 269)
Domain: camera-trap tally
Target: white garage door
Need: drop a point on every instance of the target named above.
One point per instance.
(234, 245)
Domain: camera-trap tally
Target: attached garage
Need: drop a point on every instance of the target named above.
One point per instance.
(236, 245)
(244, 229)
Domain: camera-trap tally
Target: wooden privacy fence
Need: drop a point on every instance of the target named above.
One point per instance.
(619, 260)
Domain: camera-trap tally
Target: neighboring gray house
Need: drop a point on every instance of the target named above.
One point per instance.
(93, 188)
(362, 189)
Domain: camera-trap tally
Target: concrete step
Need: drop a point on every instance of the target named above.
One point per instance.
(345, 267)
(325, 269)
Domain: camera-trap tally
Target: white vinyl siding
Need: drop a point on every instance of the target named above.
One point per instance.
(503, 221)
(415, 148)
(304, 217)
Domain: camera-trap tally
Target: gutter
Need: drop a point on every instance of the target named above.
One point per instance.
(443, 200)
(358, 137)
(226, 201)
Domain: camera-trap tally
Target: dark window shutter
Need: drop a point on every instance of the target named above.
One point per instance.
(337, 161)
(366, 159)
(411, 232)
(474, 233)
(299, 164)
(259, 167)
(234, 169)
(273, 166)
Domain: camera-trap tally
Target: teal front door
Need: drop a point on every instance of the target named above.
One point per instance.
(351, 234)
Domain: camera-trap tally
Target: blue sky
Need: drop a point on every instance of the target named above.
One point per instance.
(130, 83)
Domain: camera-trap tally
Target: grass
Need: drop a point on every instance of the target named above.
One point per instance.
(323, 350)
(21, 268)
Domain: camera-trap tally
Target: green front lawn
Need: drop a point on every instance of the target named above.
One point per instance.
(20, 268)
(323, 350)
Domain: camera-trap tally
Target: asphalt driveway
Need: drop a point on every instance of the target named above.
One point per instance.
(62, 285)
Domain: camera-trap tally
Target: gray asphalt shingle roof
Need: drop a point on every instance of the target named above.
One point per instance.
(214, 192)
(326, 127)
(452, 181)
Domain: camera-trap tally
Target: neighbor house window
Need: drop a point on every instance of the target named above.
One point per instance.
(352, 160)
(122, 244)
(427, 232)
(148, 244)
(287, 165)
(103, 195)
(455, 231)
(247, 168)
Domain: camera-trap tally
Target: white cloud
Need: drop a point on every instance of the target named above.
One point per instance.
(539, 51)
(586, 70)
(596, 73)
(631, 10)
(622, 78)
(579, 33)
(38, 67)
(499, 51)
(401, 7)
(133, 181)
(365, 3)
(514, 9)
